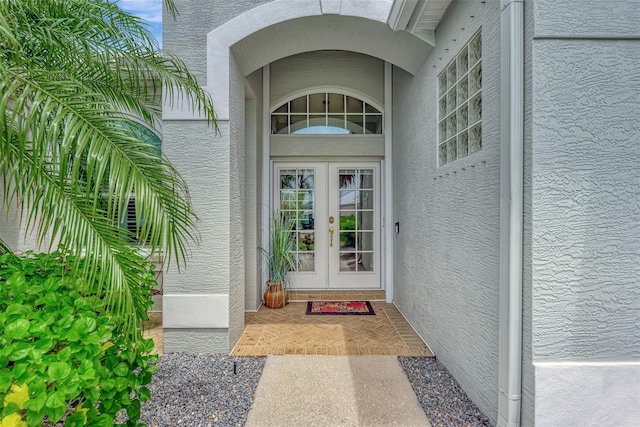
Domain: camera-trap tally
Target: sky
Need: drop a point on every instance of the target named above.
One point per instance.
(149, 10)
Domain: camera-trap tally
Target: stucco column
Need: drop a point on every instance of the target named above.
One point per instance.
(585, 251)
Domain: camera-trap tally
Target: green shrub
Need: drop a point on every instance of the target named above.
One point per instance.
(63, 358)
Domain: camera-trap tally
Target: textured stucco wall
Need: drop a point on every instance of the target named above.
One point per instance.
(237, 206)
(614, 18)
(213, 166)
(203, 160)
(446, 256)
(586, 192)
(202, 157)
(196, 340)
(585, 201)
(10, 229)
(361, 73)
(14, 232)
(186, 35)
(528, 378)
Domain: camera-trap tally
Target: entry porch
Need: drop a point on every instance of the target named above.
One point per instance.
(291, 331)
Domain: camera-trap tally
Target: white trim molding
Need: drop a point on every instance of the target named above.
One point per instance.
(587, 394)
(203, 311)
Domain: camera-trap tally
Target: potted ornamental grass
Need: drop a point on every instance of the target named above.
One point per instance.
(280, 259)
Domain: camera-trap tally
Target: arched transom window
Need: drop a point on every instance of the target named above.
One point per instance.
(326, 114)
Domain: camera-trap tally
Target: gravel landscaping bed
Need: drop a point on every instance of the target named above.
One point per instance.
(439, 394)
(200, 390)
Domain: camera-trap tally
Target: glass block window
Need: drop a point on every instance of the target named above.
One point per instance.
(326, 114)
(460, 104)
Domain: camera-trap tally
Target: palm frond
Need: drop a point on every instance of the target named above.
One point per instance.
(75, 79)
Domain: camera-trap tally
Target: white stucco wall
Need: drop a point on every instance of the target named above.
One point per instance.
(237, 205)
(253, 191)
(213, 165)
(446, 259)
(349, 70)
(202, 157)
(585, 209)
(14, 232)
(528, 379)
(10, 228)
(186, 35)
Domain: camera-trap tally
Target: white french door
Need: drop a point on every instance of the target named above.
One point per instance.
(334, 209)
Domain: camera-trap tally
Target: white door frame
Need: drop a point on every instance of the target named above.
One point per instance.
(328, 272)
(318, 278)
(351, 279)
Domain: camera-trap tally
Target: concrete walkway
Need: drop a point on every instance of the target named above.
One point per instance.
(335, 391)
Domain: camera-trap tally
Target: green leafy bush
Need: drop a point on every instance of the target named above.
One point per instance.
(63, 356)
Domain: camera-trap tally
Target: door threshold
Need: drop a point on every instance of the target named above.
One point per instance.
(337, 295)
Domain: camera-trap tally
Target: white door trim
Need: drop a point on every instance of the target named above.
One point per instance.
(354, 279)
(326, 274)
(318, 278)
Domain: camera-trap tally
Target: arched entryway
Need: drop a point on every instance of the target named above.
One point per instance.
(354, 40)
(230, 172)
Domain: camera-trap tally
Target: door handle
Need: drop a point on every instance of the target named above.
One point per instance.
(331, 237)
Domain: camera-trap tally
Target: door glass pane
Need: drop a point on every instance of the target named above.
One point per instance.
(365, 199)
(365, 221)
(306, 262)
(288, 200)
(366, 261)
(347, 178)
(357, 239)
(306, 242)
(347, 220)
(287, 179)
(348, 261)
(347, 240)
(305, 200)
(366, 179)
(297, 202)
(365, 241)
(306, 220)
(305, 179)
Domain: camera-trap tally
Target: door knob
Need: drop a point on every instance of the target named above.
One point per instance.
(331, 237)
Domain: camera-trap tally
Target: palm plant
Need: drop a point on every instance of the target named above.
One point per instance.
(280, 258)
(77, 77)
(281, 253)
